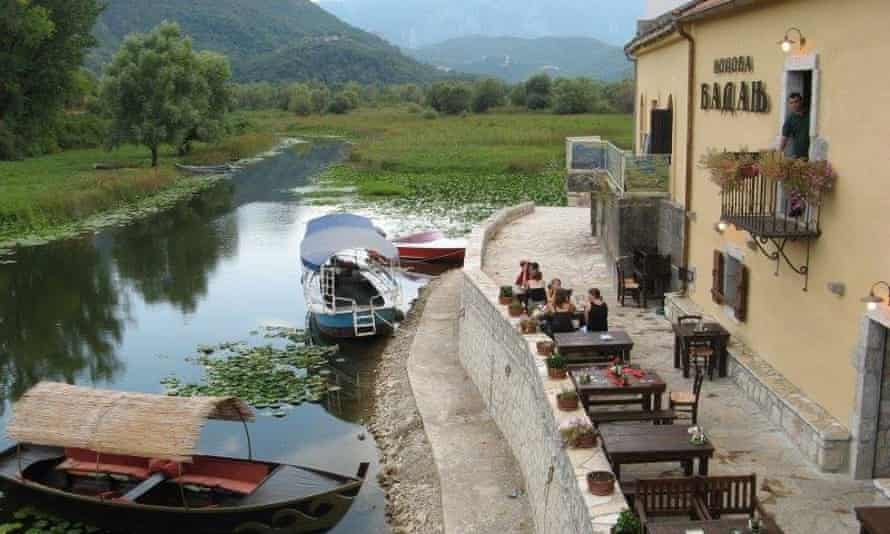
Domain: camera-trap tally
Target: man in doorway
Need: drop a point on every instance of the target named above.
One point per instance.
(796, 130)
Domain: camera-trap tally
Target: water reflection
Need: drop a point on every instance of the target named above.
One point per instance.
(169, 258)
(59, 318)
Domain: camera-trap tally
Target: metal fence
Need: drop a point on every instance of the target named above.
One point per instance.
(626, 170)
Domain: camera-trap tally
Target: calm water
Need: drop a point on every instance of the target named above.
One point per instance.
(125, 308)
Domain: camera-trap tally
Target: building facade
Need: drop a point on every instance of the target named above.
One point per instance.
(791, 295)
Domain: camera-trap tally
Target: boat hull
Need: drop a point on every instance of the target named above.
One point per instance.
(316, 513)
(430, 247)
(342, 325)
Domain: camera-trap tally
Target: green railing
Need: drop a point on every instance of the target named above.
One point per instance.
(627, 172)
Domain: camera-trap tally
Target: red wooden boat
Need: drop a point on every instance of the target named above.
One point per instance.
(430, 247)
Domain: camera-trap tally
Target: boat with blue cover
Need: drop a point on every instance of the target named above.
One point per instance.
(349, 276)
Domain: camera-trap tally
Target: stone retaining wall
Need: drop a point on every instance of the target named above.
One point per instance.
(512, 381)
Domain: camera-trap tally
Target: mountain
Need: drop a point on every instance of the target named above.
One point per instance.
(265, 39)
(515, 59)
(416, 23)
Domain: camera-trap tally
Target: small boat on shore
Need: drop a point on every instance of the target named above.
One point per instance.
(349, 277)
(127, 462)
(430, 247)
(207, 169)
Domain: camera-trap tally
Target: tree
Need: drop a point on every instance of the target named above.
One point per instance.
(411, 93)
(450, 97)
(537, 90)
(341, 103)
(517, 95)
(580, 95)
(620, 96)
(320, 97)
(487, 94)
(158, 90)
(42, 45)
(300, 100)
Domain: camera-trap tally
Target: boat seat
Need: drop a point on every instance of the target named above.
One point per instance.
(236, 476)
(83, 462)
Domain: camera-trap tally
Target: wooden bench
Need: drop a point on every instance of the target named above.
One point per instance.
(657, 416)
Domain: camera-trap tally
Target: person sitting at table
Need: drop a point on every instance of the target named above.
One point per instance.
(536, 293)
(552, 288)
(560, 314)
(596, 312)
(522, 277)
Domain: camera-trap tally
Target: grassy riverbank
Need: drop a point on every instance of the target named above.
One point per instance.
(40, 195)
(463, 167)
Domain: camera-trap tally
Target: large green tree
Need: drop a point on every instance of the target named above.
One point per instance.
(159, 90)
(42, 44)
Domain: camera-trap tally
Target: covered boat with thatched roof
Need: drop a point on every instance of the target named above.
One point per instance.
(129, 460)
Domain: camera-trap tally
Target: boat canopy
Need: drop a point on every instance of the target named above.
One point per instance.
(115, 422)
(328, 235)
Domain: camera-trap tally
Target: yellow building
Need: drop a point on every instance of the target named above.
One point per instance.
(722, 71)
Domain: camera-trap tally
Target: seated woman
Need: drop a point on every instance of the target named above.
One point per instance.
(536, 294)
(552, 288)
(596, 312)
(561, 313)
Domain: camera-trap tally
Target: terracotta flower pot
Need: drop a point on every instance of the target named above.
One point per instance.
(505, 301)
(587, 441)
(601, 483)
(545, 348)
(515, 311)
(529, 327)
(557, 374)
(567, 404)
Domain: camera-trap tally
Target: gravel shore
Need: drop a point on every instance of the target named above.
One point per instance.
(408, 474)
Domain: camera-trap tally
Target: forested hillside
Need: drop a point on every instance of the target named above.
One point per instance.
(265, 39)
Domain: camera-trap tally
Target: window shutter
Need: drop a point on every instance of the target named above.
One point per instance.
(741, 304)
(717, 277)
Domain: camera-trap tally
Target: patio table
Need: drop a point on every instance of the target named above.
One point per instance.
(649, 386)
(643, 444)
(591, 347)
(873, 519)
(710, 332)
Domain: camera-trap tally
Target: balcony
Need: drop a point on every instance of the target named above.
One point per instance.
(762, 207)
(625, 171)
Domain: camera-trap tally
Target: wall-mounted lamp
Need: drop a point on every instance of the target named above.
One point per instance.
(787, 43)
(873, 300)
(721, 227)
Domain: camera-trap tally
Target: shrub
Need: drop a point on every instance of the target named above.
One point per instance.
(430, 114)
(450, 97)
(487, 94)
(300, 100)
(536, 101)
(538, 90)
(576, 96)
(84, 130)
(413, 108)
(518, 96)
(340, 104)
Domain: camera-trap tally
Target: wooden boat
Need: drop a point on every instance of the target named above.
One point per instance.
(431, 247)
(349, 277)
(206, 169)
(126, 462)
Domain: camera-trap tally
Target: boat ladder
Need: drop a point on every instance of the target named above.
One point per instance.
(328, 286)
(364, 322)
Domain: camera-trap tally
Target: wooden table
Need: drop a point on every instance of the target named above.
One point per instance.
(590, 347)
(650, 387)
(714, 526)
(643, 444)
(873, 519)
(713, 333)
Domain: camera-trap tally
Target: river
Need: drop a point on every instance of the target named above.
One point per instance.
(124, 308)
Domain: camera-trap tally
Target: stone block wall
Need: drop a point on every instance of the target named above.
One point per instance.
(510, 378)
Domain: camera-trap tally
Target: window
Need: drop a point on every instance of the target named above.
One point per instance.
(730, 284)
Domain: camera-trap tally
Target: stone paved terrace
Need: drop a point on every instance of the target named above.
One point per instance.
(803, 499)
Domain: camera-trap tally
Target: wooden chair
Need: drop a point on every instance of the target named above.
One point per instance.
(627, 285)
(667, 497)
(697, 352)
(683, 402)
(733, 495)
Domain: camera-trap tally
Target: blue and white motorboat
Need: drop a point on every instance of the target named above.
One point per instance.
(349, 276)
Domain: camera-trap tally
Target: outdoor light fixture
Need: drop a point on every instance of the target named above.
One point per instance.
(787, 42)
(873, 300)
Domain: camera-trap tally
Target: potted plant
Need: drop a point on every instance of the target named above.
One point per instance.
(545, 348)
(515, 308)
(567, 401)
(556, 367)
(627, 523)
(528, 325)
(729, 169)
(805, 181)
(505, 297)
(601, 483)
(578, 433)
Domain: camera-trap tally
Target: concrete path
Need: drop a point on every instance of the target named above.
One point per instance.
(477, 471)
(804, 500)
